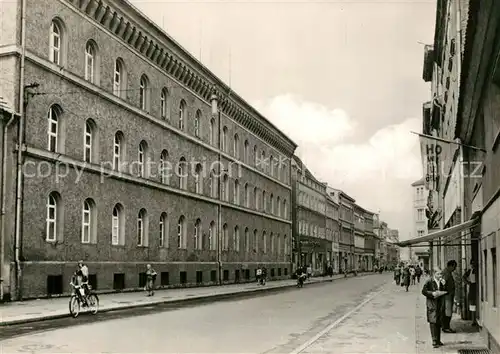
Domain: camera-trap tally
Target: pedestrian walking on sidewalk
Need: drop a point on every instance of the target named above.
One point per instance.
(449, 297)
(433, 290)
(397, 275)
(406, 278)
(412, 275)
(150, 280)
(470, 279)
(418, 273)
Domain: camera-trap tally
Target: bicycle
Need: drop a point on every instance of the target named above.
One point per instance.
(78, 297)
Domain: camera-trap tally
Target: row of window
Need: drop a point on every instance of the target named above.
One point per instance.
(310, 229)
(273, 166)
(199, 239)
(312, 184)
(143, 168)
(311, 202)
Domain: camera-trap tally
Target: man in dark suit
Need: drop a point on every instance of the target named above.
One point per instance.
(448, 298)
(435, 305)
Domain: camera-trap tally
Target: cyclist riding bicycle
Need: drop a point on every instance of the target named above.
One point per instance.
(83, 277)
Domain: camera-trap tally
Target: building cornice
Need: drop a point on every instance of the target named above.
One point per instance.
(127, 23)
(46, 65)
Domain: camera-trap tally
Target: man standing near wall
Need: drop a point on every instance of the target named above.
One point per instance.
(449, 297)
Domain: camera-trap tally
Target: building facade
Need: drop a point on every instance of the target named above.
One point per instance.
(132, 152)
(333, 231)
(359, 236)
(346, 219)
(419, 253)
(313, 247)
(463, 68)
(369, 250)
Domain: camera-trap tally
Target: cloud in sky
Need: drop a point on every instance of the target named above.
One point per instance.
(376, 172)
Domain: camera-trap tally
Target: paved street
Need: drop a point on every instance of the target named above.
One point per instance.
(362, 314)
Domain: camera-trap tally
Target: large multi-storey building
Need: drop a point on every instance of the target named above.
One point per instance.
(466, 49)
(346, 218)
(312, 245)
(369, 250)
(333, 230)
(123, 150)
(420, 252)
(359, 236)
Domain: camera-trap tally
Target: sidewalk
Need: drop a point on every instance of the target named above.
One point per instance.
(43, 309)
(394, 321)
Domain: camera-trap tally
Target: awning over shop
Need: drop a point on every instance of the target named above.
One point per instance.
(441, 233)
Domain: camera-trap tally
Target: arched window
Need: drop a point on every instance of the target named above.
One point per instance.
(236, 146)
(278, 211)
(197, 124)
(246, 151)
(198, 179)
(163, 236)
(271, 237)
(236, 192)
(213, 136)
(213, 184)
(181, 231)
(89, 222)
(247, 240)
(212, 239)
(182, 114)
(255, 241)
(164, 103)
(119, 78)
(225, 188)
(183, 173)
(56, 38)
(285, 211)
(264, 242)
(256, 198)
(90, 62)
(264, 201)
(278, 240)
(271, 165)
(142, 158)
(236, 239)
(118, 151)
(90, 141)
(263, 161)
(197, 235)
(247, 195)
(54, 125)
(224, 139)
(164, 167)
(255, 156)
(142, 228)
(272, 203)
(144, 92)
(53, 217)
(225, 239)
(117, 226)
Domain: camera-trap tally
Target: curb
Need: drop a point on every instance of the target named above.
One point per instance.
(193, 299)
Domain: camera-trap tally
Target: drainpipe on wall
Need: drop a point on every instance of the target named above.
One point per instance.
(2, 193)
(215, 111)
(20, 143)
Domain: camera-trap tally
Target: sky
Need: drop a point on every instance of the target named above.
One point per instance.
(343, 79)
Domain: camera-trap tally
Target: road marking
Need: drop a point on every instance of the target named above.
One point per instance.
(335, 324)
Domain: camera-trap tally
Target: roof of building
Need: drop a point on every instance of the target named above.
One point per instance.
(193, 65)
